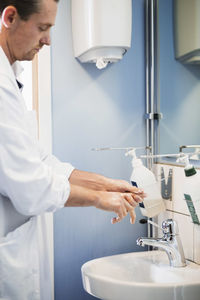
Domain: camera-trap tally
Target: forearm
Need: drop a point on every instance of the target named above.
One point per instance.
(81, 196)
(89, 180)
(98, 182)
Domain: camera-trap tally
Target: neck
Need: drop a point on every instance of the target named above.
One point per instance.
(5, 46)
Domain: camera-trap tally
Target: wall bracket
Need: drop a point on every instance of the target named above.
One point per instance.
(153, 116)
(166, 185)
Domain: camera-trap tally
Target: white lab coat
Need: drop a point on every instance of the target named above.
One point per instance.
(31, 183)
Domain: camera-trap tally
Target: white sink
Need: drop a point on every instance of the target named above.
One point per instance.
(140, 275)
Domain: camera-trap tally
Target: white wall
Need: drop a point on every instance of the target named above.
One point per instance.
(93, 108)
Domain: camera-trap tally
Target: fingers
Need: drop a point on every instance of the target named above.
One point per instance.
(136, 190)
(115, 220)
(133, 189)
(124, 186)
(131, 209)
(132, 216)
(138, 197)
(132, 199)
(127, 206)
(122, 212)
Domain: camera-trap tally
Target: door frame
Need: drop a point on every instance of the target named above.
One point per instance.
(41, 77)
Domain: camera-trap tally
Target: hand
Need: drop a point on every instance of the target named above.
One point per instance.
(120, 203)
(98, 182)
(116, 185)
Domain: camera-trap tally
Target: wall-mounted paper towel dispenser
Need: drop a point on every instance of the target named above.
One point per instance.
(187, 30)
(101, 30)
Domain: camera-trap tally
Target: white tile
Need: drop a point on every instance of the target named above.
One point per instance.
(186, 234)
(197, 243)
(179, 204)
(189, 232)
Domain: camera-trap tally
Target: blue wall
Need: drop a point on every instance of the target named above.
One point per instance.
(179, 90)
(93, 108)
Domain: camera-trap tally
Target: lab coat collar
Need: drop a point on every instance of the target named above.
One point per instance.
(15, 70)
(5, 65)
(18, 69)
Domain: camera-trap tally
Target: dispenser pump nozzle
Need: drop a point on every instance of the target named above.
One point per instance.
(135, 161)
(189, 169)
(132, 153)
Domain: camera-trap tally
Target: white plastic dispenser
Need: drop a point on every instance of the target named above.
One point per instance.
(143, 178)
(101, 30)
(191, 189)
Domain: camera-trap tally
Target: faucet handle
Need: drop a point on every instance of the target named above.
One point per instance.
(170, 226)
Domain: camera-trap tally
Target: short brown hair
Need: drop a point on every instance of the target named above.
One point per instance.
(25, 8)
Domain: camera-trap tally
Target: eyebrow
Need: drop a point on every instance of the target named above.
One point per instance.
(46, 24)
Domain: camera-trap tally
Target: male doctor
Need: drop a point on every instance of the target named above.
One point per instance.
(31, 181)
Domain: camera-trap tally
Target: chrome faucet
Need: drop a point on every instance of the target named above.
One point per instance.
(170, 243)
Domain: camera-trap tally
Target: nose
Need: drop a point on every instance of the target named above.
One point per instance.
(46, 40)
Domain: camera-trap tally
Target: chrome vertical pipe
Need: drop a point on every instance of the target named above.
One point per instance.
(151, 80)
(152, 72)
(151, 75)
(147, 53)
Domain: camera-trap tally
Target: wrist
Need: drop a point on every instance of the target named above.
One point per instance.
(81, 196)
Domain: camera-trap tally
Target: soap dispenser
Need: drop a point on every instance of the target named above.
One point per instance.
(191, 189)
(143, 178)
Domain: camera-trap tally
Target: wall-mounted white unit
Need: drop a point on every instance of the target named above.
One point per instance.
(187, 30)
(101, 30)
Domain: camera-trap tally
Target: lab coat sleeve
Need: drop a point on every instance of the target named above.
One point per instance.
(33, 186)
(59, 167)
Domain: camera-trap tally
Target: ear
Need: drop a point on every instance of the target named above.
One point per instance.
(9, 16)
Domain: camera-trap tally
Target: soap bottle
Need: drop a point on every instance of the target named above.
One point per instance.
(143, 178)
(191, 189)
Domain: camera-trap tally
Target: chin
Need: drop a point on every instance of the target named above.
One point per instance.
(29, 57)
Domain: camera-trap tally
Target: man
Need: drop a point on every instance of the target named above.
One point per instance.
(31, 181)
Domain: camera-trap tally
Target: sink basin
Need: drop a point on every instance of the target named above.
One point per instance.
(140, 275)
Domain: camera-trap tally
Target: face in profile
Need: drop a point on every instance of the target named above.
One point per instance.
(26, 38)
